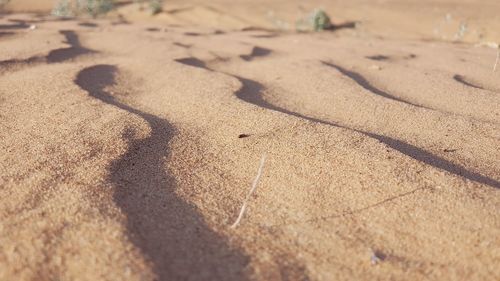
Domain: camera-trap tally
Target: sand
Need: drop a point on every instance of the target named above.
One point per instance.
(129, 143)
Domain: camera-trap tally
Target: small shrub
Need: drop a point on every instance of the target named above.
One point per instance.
(321, 20)
(62, 9)
(94, 8)
(318, 20)
(155, 6)
(72, 8)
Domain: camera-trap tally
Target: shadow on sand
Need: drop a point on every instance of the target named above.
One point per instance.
(168, 230)
(251, 92)
(72, 52)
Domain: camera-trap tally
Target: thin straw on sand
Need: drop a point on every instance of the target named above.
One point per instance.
(252, 190)
(496, 61)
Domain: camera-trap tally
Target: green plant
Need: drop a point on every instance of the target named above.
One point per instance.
(318, 20)
(94, 8)
(321, 20)
(72, 8)
(155, 6)
(62, 9)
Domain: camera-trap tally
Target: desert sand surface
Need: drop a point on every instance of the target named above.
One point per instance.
(130, 142)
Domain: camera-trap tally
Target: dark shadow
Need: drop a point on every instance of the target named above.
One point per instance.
(22, 21)
(18, 64)
(168, 230)
(153, 29)
(378, 254)
(251, 92)
(192, 34)
(178, 10)
(88, 24)
(256, 52)
(388, 58)
(75, 49)
(185, 46)
(193, 62)
(435, 161)
(55, 56)
(360, 80)
(6, 33)
(17, 25)
(378, 57)
(270, 35)
(255, 28)
(345, 25)
(461, 79)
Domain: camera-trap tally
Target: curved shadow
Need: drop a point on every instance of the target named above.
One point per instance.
(461, 79)
(193, 62)
(185, 46)
(75, 49)
(390, 58)
(169, 231)
(251, 92)
(54, 56)
(16, 64)
(378, 57)
(358, 78)
(270, 35)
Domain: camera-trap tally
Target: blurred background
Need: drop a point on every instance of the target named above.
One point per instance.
(450, 20)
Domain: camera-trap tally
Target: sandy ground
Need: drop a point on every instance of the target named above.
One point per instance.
(130, 143)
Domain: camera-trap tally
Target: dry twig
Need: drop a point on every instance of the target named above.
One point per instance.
(252, 190)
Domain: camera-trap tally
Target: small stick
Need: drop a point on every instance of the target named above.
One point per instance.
(254, 186)
(496, 62)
